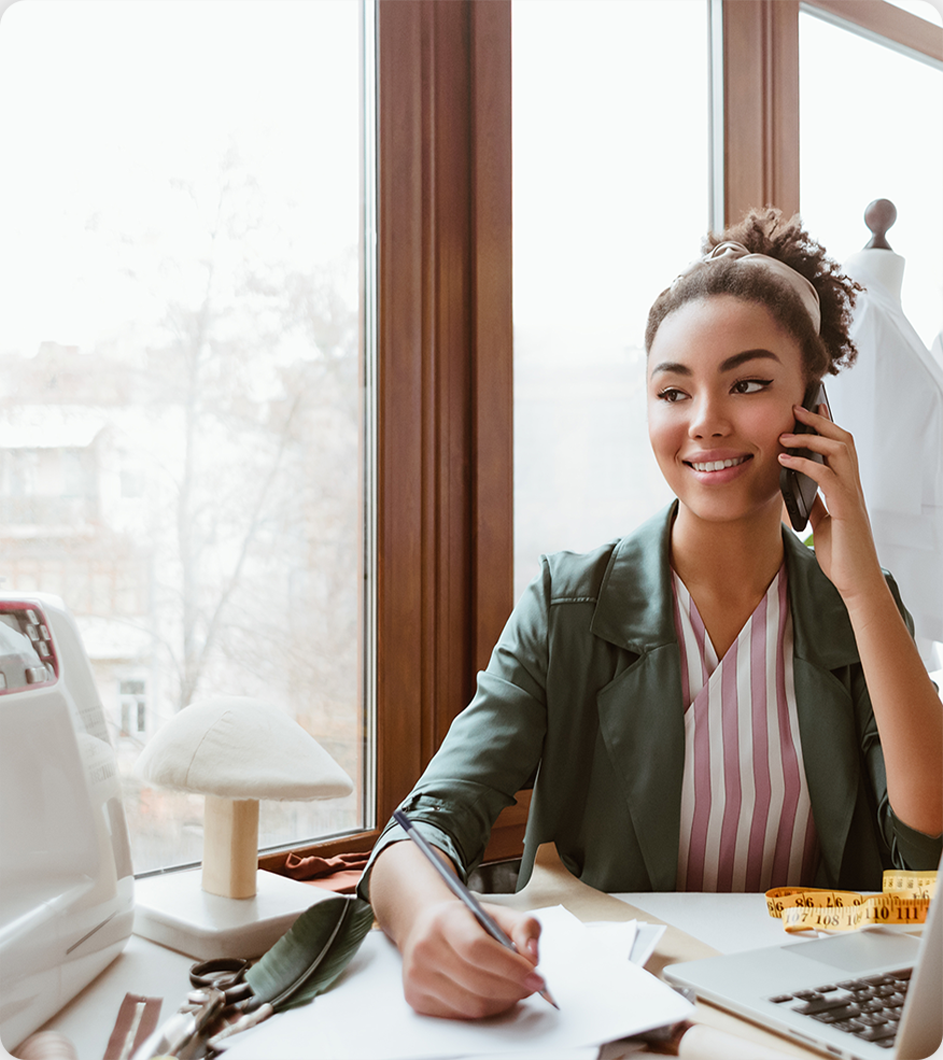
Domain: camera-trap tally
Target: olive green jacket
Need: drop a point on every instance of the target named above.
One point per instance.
(584, 686)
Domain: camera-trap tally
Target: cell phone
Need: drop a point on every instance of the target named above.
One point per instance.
(799, 490)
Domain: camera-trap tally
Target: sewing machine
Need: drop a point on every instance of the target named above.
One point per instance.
(66, 885)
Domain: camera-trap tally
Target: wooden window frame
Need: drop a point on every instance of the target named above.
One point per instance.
(445, 372)
(444, 380)
(760, 78)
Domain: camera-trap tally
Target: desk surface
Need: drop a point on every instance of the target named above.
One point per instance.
(699, 925)
(730, 923)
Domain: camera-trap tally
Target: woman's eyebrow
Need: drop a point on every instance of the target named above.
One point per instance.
(748, 355)
(671, 366)
(734, 361)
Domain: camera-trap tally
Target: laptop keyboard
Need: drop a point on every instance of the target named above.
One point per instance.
(869, 1008)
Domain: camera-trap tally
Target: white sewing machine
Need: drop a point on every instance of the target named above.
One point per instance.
(66, 886)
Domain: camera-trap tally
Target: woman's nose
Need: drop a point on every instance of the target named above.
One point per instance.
(708, 419)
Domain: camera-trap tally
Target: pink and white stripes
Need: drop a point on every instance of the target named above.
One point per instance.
(746, 819)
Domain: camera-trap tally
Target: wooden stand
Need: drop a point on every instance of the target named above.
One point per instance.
(230, 846)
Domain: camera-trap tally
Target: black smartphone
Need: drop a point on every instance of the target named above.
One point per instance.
(799, 490)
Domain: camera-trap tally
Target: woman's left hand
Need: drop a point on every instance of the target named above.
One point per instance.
(844, 545)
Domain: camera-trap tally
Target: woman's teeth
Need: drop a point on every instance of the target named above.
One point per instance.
(716, 465)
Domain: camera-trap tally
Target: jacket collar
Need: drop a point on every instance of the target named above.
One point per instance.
(633, 608)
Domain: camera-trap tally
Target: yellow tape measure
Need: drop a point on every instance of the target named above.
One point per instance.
(905, 900)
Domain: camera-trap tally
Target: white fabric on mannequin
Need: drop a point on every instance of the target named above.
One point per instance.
(892, 402)
(936, 348)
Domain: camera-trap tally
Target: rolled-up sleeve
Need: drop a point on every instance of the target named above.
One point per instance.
(492, 748)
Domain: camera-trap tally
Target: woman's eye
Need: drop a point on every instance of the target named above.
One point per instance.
(670, 394)
(750, 386)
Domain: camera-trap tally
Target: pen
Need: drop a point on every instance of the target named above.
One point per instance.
(460, 891)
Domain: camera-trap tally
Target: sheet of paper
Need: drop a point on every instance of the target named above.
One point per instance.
(646, 940)
(633, 939)
(619, 938)
(602, 996)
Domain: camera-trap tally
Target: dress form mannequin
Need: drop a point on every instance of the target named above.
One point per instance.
(877, 262)
(892, 402)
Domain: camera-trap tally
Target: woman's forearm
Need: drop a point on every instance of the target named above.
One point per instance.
(402, 885)
(907, 709)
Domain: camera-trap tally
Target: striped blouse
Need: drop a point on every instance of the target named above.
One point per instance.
(746, 819)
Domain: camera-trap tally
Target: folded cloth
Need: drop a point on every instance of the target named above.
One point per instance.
(340, 874)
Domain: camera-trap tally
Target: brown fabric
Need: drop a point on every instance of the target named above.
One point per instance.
(340, 874)
(137, 1020)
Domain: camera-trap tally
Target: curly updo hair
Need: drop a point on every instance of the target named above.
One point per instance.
(767, 232)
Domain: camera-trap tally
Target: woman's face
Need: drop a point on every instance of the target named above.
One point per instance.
(723, 377)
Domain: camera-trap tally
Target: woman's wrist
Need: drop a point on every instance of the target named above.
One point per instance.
(870, 601)
(403, 887)
(867, 585)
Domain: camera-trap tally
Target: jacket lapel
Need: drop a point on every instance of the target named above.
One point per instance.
(642, 724)
(641, 715)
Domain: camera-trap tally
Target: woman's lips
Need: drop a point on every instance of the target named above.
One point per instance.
(717, 470)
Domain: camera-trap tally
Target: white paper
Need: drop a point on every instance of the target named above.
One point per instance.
(634, 940)
(602, 996)
(618, 938)
(649, 935)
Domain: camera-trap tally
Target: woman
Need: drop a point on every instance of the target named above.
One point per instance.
(710, 704)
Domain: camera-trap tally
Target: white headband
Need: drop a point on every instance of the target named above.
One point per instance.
(738, 252)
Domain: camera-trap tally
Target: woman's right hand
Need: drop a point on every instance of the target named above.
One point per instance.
(452, 967)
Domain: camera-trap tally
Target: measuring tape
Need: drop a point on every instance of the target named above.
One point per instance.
(905, 900)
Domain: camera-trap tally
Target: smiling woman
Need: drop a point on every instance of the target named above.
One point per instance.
(707, 704)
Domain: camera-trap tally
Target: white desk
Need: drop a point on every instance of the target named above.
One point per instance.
(144, 968)
(724, 923)
(730, 923)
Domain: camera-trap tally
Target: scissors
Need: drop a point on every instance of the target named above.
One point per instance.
(227, 974)
(220, 993)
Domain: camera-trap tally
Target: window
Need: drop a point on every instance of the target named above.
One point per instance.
(441, 531)
(890, 147)
(611, 194)
(182, 260)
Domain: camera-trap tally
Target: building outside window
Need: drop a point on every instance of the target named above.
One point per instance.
(133, 700)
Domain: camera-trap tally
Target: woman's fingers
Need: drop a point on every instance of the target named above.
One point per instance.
(831, 442)
(523, 931)
(844, 546)
(452, 967)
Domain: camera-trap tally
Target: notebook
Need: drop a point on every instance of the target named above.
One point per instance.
(861, 996)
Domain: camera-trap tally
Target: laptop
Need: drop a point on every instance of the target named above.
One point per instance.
(861, 996)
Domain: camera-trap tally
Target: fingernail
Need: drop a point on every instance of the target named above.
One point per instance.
(535, 982)
(531, 947)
